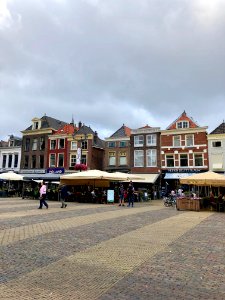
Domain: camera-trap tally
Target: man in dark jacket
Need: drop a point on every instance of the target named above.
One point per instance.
(63, 196)
(130, 194)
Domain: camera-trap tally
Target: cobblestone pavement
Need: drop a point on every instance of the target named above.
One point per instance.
(89, 251)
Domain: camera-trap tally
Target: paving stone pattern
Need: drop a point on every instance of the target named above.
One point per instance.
(110, 252)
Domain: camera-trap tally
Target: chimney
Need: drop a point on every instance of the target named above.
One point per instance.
(79, 125)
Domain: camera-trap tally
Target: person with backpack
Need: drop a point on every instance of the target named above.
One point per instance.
(130, 194)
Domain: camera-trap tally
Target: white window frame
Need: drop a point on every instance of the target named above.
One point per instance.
(186, 140)
(183, 124)
(123, 159)
(63, 160)
(112, 158)
(73, 159)
(214, 144)
(139, 158)
(59, 146)
(167, 155)
(186, 154)
(50, 161)
(151, 158)
(34, 144)
(177, 136)
(73, 145)
(202, 155)
(138, 141)
(151, 140)
(53, 140)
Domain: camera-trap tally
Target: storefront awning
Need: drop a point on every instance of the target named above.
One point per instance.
(147, 178)
(46, 176)
(177, 175)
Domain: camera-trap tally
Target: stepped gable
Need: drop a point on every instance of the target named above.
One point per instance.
(220, 129)
(66, 129)
(183, 117)
(123, 131)
(49, 122)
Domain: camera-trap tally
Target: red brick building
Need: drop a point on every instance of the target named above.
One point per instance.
(184, 150)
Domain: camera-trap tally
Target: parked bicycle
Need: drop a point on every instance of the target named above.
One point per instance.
(169, 201)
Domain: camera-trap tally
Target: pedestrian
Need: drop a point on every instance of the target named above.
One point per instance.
(63, 196)
(130, 194)
(43, 191)
(121, 195)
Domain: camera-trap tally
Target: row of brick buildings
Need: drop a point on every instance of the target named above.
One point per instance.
(50, 147)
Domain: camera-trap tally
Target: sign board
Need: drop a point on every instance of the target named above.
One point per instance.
(110, 196)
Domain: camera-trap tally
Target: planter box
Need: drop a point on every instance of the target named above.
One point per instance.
(188, 204)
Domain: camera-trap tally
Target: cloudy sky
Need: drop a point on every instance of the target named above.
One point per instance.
(109, 62)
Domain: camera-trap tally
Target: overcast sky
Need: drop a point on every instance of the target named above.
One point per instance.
(109, 62)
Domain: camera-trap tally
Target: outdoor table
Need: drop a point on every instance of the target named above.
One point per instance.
(188, 204)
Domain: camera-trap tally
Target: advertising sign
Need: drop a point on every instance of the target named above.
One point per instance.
(110, 196)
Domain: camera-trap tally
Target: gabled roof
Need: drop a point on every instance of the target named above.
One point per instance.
(146, 126)
(97, 142)
(220, 129)
(183, 117)
(123, 131)
(3, 144)
(49, 122)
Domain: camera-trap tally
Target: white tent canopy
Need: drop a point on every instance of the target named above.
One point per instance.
(11, 176)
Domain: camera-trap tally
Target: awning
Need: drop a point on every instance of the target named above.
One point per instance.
(147, 178)
(177, 175)
(45, 176)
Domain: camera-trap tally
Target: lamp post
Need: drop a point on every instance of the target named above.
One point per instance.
(79, 163)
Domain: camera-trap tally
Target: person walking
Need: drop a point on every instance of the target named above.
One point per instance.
(121, 195)
(43, 191)
(130, 194)
(63, 196)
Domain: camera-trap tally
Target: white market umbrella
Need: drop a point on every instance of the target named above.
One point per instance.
(11, 176)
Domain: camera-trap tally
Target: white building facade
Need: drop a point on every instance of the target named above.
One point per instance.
(10, 155)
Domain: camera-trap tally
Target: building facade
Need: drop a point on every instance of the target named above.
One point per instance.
(34, 155)
(184, 150)
(216, 146)
(117, 151)
(10, 154)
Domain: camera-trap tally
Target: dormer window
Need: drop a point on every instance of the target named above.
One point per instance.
(11, 143)
(36, 124)
(183, 124)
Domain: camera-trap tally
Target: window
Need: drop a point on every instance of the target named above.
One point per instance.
(33, 163)
(123, 159)
(176, 141)
(34, 145)
(84, 159)
(52, 160)
(35, 126)
(10, 161)
(170, 161)
(189, 140)
(4, 161)
(183, 160)
(139, 158)
(61, 160)
(73, 145)
(41, 160)
(73, 159)
(26, 161)
(112, 158)
(183, 124)
(61, 143)
(151, 158)
(138, 141)
(151, 140)
(11, 143)
(16, 159)
(216, 144)
(111, 144)
(198, 160)
(52, 144)
(42, 143)
(84, 145)
(123, 144)
(27, 144)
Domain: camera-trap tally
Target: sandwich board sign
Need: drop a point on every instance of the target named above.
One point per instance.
(110, 196)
